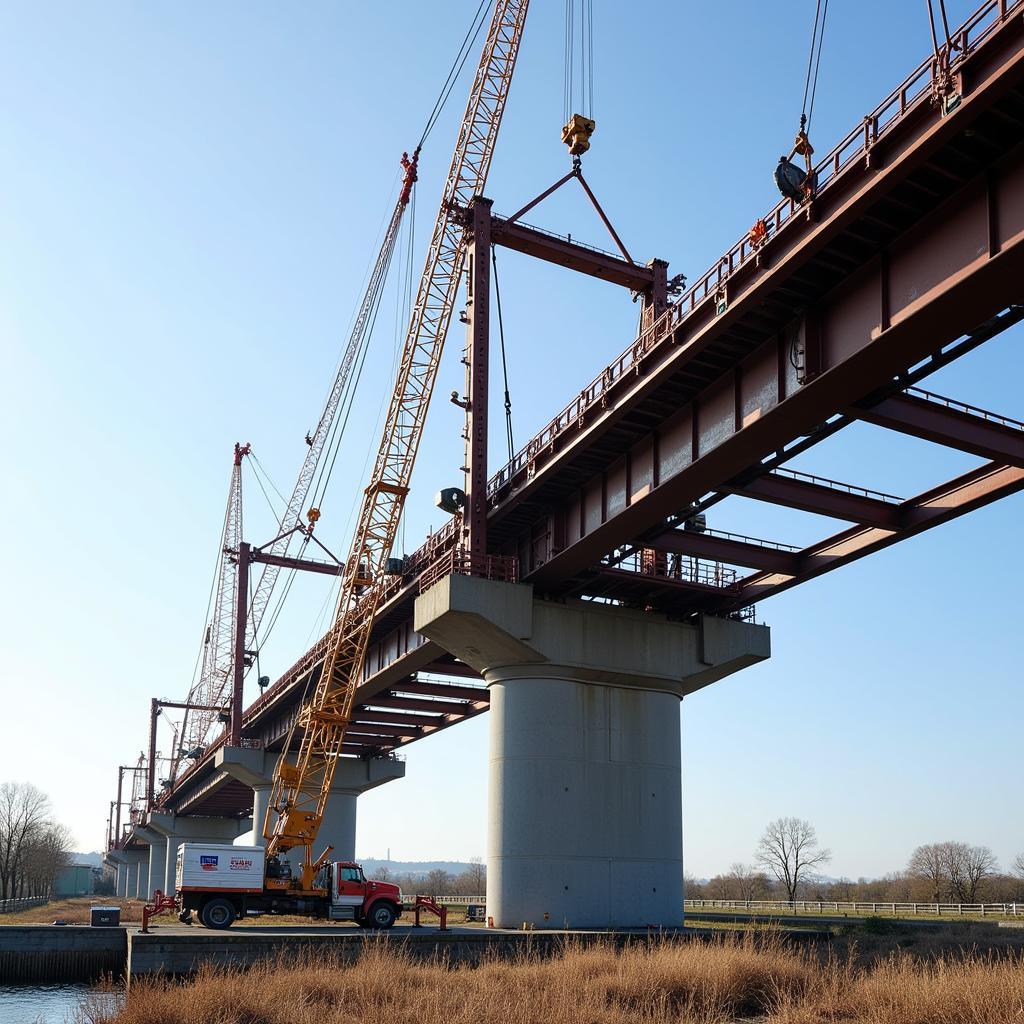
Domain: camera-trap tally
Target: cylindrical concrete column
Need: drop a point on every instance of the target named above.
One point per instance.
(157, 867)
(122, 880)
(338, 828)
(171, 862)
(260, 801)
(132, 879)
(584, 802)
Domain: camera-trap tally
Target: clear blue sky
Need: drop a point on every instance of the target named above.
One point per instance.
(191, 195)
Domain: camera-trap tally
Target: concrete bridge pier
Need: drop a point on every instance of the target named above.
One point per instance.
(585, 800)
(116, 859)
(352, 777)
(151, 875)
(136, 872)
(174, 831)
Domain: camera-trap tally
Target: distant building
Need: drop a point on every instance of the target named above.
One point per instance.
(74, 880)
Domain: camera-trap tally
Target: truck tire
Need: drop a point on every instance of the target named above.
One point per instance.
(382, 915)
(218, 913)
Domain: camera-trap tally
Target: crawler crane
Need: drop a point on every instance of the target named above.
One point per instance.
(224, 883)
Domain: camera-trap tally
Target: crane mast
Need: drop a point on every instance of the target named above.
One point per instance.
(300, 792)
(218, 645)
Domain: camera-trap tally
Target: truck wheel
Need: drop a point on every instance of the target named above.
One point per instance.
(382, 916)
(218, 913)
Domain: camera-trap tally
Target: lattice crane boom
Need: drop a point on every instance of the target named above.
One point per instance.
(300, 792)
(218, 647)
(317, 441)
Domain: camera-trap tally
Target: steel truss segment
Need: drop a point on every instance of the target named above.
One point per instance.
(381, 509)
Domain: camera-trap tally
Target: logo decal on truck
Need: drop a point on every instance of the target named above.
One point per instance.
(208, 861)
(241, 864)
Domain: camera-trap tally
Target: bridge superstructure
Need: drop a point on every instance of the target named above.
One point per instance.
(909, 256)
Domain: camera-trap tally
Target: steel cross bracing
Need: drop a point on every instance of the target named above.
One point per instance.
(300, 794)
(931, 195)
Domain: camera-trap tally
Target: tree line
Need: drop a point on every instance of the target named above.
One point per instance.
(788, 857)
(34, 848)
(470, 882)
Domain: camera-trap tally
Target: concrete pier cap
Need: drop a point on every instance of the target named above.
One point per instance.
(585, 786)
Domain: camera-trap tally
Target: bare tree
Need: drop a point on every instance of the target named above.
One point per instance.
(928, 863)
(968, 867)
(789, 851)
(24, 815)
(473, 881)
(45, 855)
(438, 882)
(747, 882)
(1017, 867)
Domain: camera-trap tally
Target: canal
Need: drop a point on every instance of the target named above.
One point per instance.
(53, 1004)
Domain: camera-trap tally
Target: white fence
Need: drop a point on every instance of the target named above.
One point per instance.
(10, 906)
(861, 908)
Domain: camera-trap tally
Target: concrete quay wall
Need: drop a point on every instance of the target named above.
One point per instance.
(42, 954)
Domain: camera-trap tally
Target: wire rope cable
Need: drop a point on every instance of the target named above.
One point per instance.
(504, 361)
(813, 63)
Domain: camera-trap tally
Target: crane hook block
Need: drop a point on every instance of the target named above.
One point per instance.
(576, 134)
(313, 515)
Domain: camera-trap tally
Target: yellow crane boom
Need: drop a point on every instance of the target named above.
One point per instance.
(300, 792)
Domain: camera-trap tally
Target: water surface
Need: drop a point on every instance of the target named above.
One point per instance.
(49, 1004)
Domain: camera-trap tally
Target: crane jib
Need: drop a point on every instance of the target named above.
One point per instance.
(305, 797)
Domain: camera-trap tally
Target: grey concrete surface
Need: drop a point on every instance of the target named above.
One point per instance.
(584, 801)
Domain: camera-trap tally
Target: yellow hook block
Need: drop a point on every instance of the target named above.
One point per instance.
(576, 134)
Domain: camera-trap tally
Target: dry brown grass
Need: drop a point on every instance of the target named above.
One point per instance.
(74, 911)
(755, 977)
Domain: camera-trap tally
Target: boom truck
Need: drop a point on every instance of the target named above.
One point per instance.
(224, 883)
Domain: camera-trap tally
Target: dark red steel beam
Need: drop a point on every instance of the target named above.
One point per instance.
(285, 562)
(565, 253)
(819, 499)
(415, 704)
(366, 714)
(373, 729)
(452, 690)
(948, 501)
(723, 549)
(947, 425)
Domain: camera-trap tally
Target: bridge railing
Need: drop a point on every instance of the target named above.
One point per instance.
(907, 97)
(861, 907)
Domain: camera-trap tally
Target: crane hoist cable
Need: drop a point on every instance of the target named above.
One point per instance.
(794, 182)
(504, 361)
(578, 95)
(300, 791)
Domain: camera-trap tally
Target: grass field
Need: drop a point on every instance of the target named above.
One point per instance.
(74, 911)
(758, 977)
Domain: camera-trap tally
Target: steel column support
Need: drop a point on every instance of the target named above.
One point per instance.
(154, 711)
(117, 815)
(478, 299)
(241, 616)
